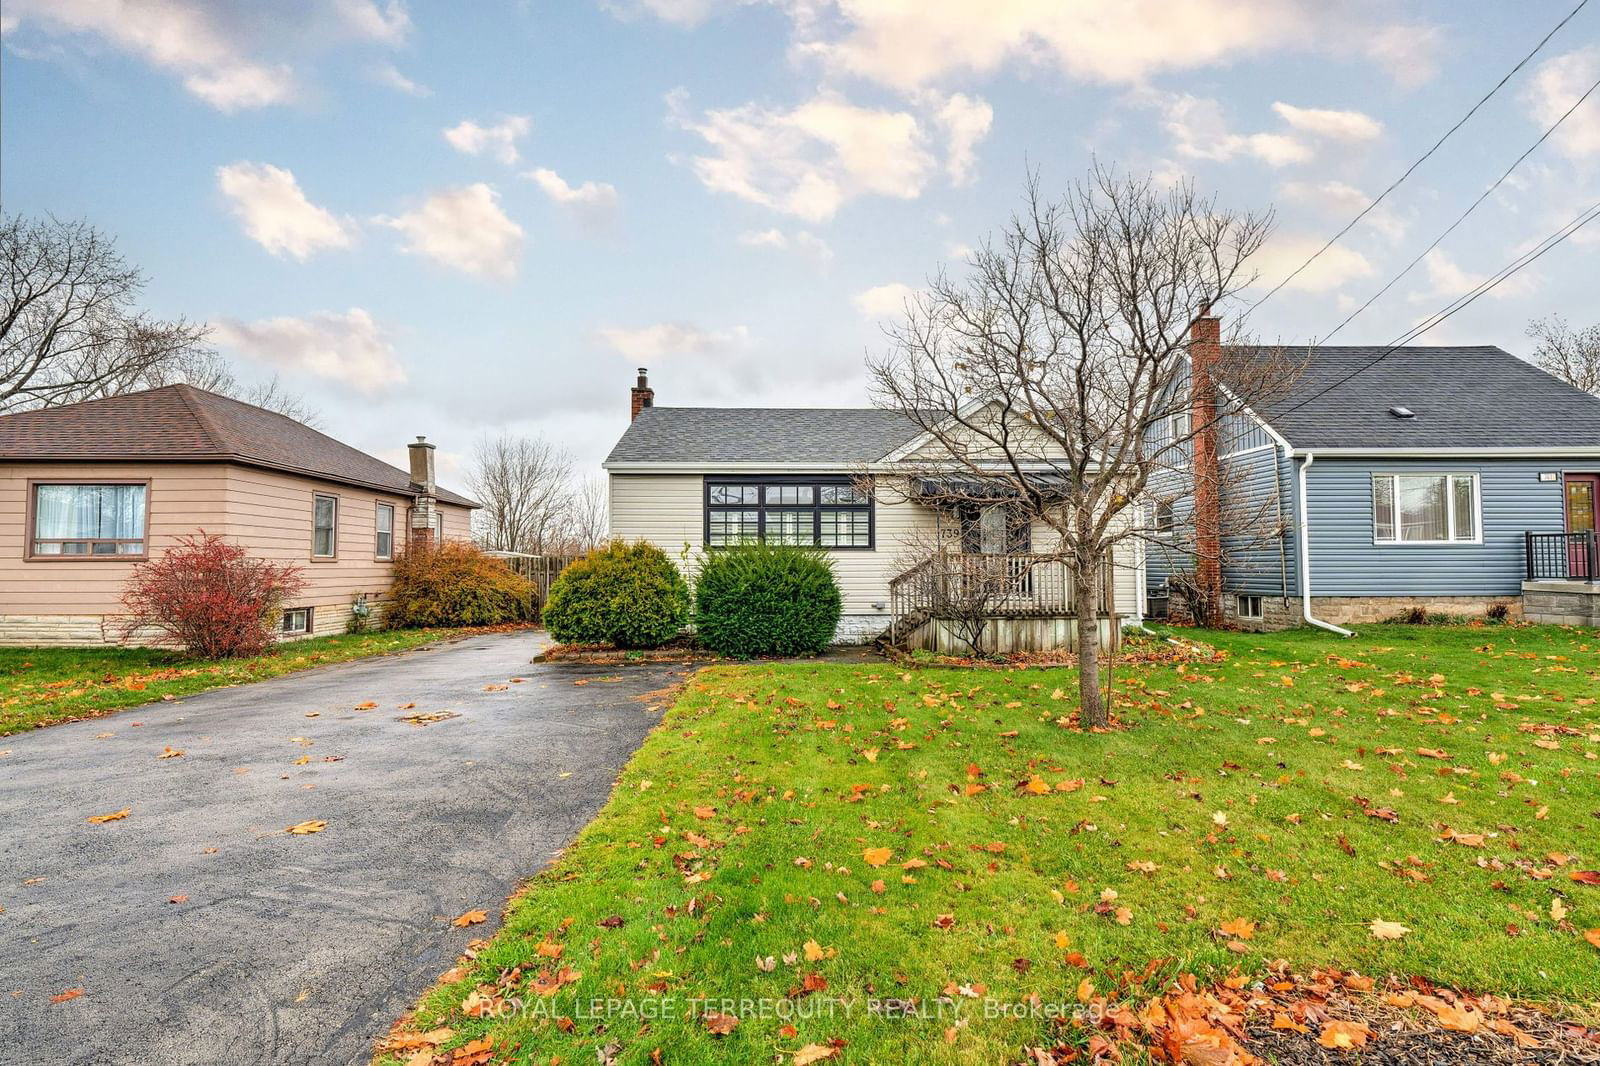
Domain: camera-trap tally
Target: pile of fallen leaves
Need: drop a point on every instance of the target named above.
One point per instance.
(1289, 1018)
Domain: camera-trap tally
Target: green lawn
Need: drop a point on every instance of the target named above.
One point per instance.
(1297, 781)
(44, 686)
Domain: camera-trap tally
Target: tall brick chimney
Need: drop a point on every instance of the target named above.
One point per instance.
(424, 505)
(641, 394)
(1205, 350)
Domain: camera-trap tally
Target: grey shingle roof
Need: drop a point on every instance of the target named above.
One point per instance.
(1478, 397)
(762, 435)
(182, 423)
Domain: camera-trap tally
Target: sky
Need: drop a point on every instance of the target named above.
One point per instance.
(460, 219)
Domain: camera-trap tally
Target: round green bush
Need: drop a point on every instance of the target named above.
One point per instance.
(766, 599)
(626, 595)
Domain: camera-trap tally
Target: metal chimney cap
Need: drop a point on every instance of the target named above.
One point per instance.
(1402, 412)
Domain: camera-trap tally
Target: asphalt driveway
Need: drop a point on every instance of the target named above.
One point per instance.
(201, 932)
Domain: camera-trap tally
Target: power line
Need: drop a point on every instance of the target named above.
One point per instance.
(1424, 157)
(1460, 303)
(1463, 216)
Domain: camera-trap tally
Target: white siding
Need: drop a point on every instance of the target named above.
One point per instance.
(668, 511)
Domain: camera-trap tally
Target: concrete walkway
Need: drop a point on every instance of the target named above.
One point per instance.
(288, 949)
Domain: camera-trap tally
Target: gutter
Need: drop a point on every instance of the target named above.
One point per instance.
(1305, 557)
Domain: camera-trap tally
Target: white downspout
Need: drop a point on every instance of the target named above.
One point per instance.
(1305, 558)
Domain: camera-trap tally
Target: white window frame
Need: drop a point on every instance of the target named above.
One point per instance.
(1450, 508)
(333, 534)
(378, 531)
(1239, 601)
(1172, 517)
(283, 626)
(438, 527)
(1178, 424)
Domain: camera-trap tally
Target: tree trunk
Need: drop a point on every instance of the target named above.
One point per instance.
(1093, 708)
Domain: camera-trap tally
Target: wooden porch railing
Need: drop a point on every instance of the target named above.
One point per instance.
(1563, 556)
(959, 584)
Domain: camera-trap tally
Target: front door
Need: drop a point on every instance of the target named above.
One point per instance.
(1583, 516)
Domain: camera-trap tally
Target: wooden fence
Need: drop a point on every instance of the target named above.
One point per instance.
(540, 569)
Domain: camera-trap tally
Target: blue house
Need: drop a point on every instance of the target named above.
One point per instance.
(1454, 479)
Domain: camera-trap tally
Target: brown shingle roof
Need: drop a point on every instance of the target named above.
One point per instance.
(181, 423)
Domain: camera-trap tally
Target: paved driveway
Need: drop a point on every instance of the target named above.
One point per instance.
(289, 949)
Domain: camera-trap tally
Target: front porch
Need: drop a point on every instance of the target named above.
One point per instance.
(961, 603)
(1562, 586)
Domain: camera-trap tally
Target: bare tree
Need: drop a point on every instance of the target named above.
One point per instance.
(1569, 354)
(69, 329)
(1054, 378)
(524, 486)
(586, 516)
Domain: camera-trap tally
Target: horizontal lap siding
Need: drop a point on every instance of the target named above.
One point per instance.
(1256, 491)
(1345, 561)
(668, 510)
(182, 499)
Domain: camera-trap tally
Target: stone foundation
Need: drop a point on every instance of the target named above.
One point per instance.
(1561, 603)
(1350, 610)
(90, 630)
(1277, 612)
(860, 628)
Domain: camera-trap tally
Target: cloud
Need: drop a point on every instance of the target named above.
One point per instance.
(592, 203)
(1344, 201)
(1447, 281)
(1555, 87)
(801, 242)
(498, 141)
(1200, 131)
(388, 74)
(222, 52)
(1283, 254)
(671, 338)
(465, 229)
(811, 160)
(677, 12)
(908, 46)
(1335, 125)
(274, 212)
(965, 121)
(388, 22)
(348, 348)
(883, 301)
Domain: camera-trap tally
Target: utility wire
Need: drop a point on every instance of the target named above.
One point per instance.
(1460, 303)
(1424, 157)
(1462, 217)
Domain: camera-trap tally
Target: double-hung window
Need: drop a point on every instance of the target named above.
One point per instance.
(324, 527)
(1425, 509)
(88, 521)
(812, 512)
(384, 524)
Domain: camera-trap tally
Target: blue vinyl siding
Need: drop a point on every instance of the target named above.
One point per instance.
(1258, 492)
(1346, 562)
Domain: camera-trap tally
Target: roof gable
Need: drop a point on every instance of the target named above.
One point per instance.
(185, 424)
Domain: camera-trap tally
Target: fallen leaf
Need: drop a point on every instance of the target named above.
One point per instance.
(1240, 928)
(877, 856)
(470, 918)
(1342, 1035)
(170, 753)
(814, 1053)
(117, 816)
(62, 997)
(300, 829)
(1382, 930)
(721, 1024)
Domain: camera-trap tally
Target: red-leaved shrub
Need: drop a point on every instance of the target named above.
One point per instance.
(209, 597)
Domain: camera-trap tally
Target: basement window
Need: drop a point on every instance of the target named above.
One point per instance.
(1249, 606)
(296, 622)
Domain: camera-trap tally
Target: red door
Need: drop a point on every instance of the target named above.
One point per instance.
(1583, 516)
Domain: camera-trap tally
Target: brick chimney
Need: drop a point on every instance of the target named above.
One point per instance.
(1205, 350)
(641, 394)
(424, 504)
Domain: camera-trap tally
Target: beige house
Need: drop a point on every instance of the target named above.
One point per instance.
(89, 490)
(690, 478)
